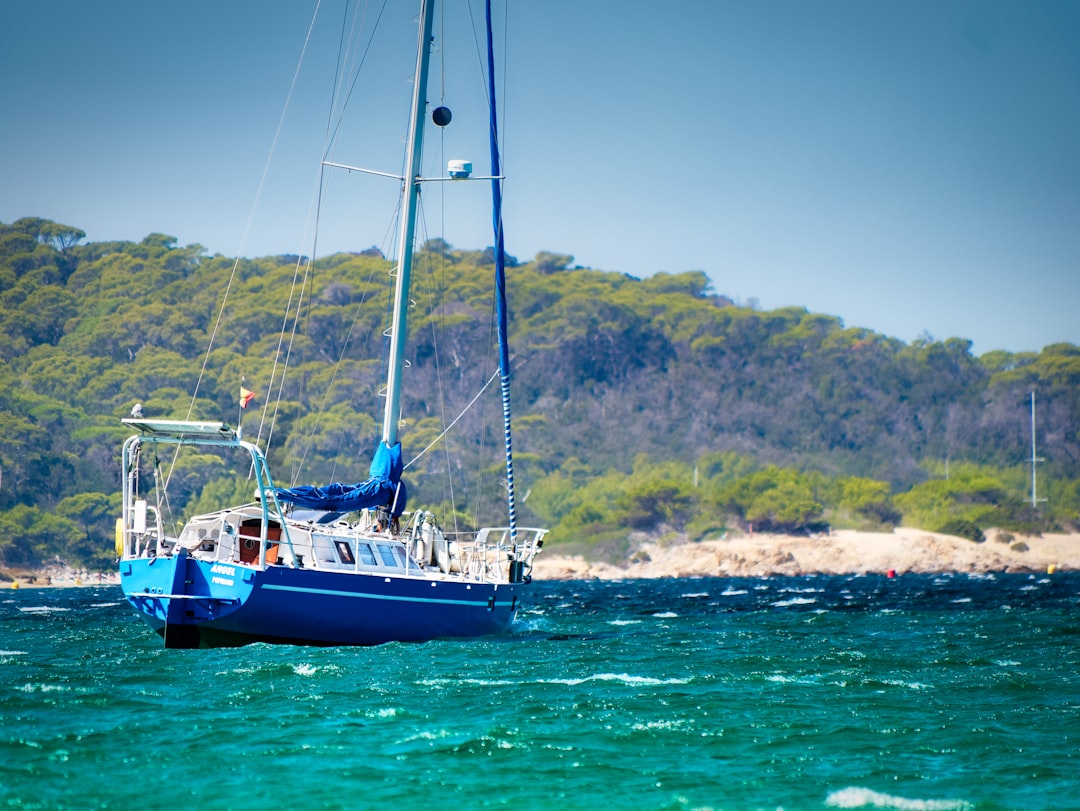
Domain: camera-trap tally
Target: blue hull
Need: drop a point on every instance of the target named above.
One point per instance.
(194, 603)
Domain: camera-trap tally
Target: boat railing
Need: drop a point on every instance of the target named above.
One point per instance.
(145, 535)
(497, 554)
(523, 543)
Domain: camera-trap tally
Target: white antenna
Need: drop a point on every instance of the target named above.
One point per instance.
(1034, 459)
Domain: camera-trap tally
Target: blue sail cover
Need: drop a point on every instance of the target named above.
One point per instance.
(377, 491)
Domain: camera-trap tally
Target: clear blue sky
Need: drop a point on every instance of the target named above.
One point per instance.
(907, 166)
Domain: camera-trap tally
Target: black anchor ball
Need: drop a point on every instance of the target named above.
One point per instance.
(441, 116)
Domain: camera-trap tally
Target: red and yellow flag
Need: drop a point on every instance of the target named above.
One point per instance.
(246, 397)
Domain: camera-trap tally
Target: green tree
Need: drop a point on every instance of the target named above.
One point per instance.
(93, 513)
(867, 501)
(774, 499)
(29, 536)
(547, 263)
(970, 494)
(662, 501)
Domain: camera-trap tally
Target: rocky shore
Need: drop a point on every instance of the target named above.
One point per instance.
(841, 552)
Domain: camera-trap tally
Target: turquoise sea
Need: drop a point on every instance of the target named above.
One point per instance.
(919, 692)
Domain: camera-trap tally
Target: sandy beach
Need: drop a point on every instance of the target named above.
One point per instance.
(842, 552)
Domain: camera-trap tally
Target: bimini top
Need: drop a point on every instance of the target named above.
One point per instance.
(182, 428)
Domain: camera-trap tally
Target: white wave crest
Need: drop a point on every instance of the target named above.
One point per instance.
(623, 677)
(855, 797)
(477, 682)
(794, 601)
(43, 688)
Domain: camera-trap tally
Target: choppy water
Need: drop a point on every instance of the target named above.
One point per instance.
(921, 692)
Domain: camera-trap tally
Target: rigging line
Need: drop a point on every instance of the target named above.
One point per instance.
(442, 284)
(319, 194)
(484, 72)
(315, 212)
(161, 492)
(308, 265)
(434, 285)
(356, 74)
(308, 277)
(339, 69)
(448, 428)
(247, 228)
(481, 448)
(333, 379)
(288, 345)
(480, 59)
(506, 117)
(298, 297)
(442, 52)
(393, 227)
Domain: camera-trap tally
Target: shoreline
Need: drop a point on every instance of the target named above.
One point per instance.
(842, 552)
(56, 577)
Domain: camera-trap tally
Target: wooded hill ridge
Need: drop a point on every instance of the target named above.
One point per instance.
(651, 405)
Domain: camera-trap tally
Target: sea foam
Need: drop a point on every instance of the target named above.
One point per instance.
(855, 797)
(617, 677)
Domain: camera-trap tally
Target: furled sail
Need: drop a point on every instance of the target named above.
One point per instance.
(500, 278)
(383, 488)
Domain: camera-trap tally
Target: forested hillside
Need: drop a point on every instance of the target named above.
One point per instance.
(653, 405)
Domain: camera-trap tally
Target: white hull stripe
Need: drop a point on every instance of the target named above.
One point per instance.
(332, 593)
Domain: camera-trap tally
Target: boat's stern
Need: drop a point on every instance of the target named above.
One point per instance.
(178, 595)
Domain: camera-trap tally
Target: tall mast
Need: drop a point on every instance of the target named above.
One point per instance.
(411, 190)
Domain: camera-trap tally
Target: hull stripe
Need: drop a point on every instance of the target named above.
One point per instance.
(333, 593)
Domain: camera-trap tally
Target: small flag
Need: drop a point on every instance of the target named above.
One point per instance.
(246, 397)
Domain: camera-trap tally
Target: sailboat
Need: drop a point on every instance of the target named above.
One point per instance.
(334, 564)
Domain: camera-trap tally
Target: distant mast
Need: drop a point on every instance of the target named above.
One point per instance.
(1034, 459)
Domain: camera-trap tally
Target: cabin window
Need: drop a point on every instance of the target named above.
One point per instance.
(344, 552)
(391, 555)
(367, 557)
